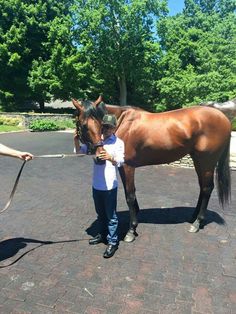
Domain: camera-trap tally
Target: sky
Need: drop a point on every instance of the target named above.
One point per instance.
(175, 6)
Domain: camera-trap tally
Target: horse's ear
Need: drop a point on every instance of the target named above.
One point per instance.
(77, 104)
(97, 102)
(101, 110)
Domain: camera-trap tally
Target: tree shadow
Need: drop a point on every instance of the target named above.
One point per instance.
(10, 247)
(168, 216)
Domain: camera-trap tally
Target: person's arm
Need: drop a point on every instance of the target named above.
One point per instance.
(118, 157)
(7, 151)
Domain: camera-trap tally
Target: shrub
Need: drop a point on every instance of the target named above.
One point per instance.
(10, 121)
(40, 125)
(66, 124)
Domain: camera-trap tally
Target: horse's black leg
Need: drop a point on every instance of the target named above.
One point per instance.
(205, 196)
(196, 211)
(127, 177)
(206, 183)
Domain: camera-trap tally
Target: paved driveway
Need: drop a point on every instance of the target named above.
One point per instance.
(47, 227)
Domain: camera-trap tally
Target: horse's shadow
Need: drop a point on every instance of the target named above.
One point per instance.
(175, 215)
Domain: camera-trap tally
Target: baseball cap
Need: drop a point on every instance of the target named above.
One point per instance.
(109, 119)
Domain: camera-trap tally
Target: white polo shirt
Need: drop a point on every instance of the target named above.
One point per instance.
(105, 175)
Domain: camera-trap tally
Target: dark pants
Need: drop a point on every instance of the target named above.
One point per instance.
(105, 205)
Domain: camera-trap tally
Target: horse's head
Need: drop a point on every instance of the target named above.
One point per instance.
(88, 122)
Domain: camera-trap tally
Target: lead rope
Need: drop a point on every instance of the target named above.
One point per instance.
(20, 171)
(14, 188)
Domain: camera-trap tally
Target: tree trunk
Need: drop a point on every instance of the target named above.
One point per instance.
(41, 105)
(123, 89)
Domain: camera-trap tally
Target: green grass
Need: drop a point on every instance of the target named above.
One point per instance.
(10, 128)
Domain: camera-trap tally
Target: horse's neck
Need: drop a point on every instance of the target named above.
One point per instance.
(116, 110)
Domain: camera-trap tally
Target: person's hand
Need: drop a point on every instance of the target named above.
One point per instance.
(76, 136)
(25, 156)
(105, 156)
(76, 142)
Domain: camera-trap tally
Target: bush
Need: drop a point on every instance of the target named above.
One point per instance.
(66, 124)
(10, 121)
(40, 125)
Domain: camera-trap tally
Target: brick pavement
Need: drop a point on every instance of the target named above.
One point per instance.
(166, 270)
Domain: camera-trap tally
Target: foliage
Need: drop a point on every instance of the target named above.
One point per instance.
(118, 38)
(199, 48)
(10, 121)
(37, 56)
(130, 51)
(65, 124)
(40, 125)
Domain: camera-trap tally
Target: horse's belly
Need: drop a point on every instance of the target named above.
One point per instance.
(156, 157)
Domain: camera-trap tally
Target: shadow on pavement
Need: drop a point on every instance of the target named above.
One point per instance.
(174, 215)
(10, 247)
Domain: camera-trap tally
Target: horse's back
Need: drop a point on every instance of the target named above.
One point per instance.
(197, 119)
(206, 126)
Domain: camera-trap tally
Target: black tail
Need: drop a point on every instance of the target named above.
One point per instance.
(223, 177)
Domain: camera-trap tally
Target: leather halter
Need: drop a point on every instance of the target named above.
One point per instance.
(79, 129)
(99, 144)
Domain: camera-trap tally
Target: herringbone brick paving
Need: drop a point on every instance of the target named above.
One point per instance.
(165, 270)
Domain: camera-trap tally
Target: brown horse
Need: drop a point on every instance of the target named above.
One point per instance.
(159, 138)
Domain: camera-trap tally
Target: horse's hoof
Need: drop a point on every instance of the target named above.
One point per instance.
(194, 228)
(130, 237)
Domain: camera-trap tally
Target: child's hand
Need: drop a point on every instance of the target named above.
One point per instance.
(105, 156)
(76, 135)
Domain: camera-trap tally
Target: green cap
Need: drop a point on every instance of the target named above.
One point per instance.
(109, 119)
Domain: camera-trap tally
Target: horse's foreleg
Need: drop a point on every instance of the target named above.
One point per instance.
(127, 176)
(206, 183)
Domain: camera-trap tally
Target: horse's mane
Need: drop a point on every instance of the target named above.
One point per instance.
(124, 108)
(120, 110)
(101, 109)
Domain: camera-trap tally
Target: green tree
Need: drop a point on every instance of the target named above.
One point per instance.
(36, 51)
(199, 54)
(118, 38)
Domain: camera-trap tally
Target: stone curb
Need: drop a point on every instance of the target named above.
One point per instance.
(186, 162)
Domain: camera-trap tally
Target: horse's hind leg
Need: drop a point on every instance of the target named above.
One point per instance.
(205, 171)
(127, 177)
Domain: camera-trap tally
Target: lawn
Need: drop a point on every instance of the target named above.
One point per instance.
(10, 128)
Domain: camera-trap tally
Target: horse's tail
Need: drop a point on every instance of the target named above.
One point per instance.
(223, 177)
